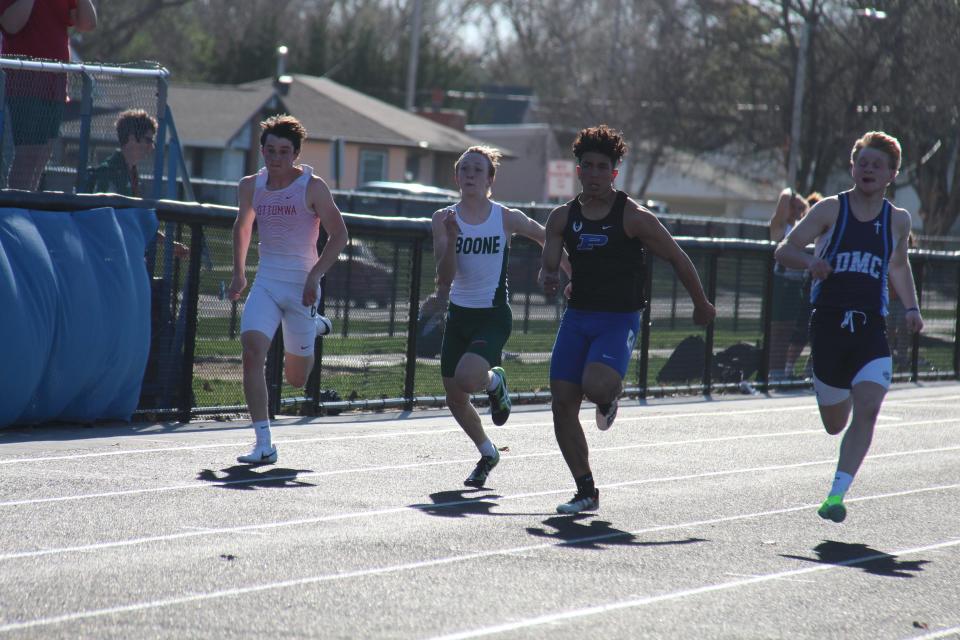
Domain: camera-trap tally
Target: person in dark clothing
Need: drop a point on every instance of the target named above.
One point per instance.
(605, 233)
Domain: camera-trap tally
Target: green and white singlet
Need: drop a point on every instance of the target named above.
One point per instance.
(482, 251)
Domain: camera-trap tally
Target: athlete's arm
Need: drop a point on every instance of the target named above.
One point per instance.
(321, 201)
(792, 252)
(782, 214)
(242, 231)
(15, 17)
(901, 275)
(640, 223)
(521, 224)
(553, 250)
(84, 16)
(445, 232)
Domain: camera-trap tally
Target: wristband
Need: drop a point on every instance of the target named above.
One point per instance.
(917, 309)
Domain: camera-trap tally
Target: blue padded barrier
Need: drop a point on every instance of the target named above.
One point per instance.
(74, 313)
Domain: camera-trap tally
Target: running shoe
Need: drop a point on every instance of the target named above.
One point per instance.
(605, 420)
(259, 455)
(482, 470)
(581, 502)
(500, 398)
(324, 325)
(833, 509)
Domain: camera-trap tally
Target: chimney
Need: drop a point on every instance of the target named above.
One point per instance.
(282, 81)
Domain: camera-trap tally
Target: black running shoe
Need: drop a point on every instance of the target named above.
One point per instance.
(482, 470)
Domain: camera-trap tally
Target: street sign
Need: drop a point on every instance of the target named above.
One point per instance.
(561, 179)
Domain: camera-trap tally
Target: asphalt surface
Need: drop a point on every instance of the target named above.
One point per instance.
(706, 529)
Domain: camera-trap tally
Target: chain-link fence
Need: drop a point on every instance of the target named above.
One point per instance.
(380, 356)
(57, 121)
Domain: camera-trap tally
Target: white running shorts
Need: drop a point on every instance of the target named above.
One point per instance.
(272, 303)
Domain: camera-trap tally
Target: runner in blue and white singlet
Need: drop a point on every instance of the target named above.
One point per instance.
(861, 243)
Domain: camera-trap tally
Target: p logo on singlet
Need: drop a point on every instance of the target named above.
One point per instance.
(589, 241)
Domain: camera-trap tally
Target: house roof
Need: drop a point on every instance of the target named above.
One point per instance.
(331, 110)
(211, 115)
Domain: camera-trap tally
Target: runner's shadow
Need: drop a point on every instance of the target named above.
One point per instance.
(863, 556)
(456, 504)
(594, 535)
(247, 478)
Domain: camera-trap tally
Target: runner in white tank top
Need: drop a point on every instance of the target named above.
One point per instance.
(471, 242)
(289, 205)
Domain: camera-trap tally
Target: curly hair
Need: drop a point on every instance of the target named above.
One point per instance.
(601, 139)
(283, 126)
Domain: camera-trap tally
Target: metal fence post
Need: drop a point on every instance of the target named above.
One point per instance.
(86, 113)
(644, 372)
(409, 378)
(763, 374)
(190, 338)
(956, 332)
(708, 342)
(918, 273)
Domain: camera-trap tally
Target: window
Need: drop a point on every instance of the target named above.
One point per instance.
(373, 165)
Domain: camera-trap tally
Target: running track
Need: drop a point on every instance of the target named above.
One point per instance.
(707, 528)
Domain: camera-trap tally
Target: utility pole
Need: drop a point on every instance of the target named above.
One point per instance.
(799, 85)
(414, 55)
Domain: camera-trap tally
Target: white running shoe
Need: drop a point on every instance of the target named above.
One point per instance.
(259, 455)
(605, 420)
(324, 325)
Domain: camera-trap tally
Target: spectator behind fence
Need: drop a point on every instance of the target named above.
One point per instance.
(36, 99)
(791, 290)
(120, 173)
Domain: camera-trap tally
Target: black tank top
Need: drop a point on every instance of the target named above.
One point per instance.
(608, 266)
(859, 253)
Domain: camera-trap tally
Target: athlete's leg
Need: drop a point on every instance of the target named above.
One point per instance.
(471, 375)
(565, 403)
(297, 368)
(835, 416)
(255, 346)
(867, 398)
(601, 384)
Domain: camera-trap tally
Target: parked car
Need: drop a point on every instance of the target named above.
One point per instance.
(360, 276)
(408, 189)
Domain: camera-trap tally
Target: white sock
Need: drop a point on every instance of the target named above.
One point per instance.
(262, 429)
(841, 482)
(494, 382)
(487, 449)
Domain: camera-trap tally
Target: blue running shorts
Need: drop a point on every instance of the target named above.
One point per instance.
(607, 337)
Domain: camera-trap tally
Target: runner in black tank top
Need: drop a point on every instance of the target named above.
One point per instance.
(861, 243)
(606, 235)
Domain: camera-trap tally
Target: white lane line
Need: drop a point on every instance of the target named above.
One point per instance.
(944, 633)
(100, 546)
(367, 436)
(754, 575)
(412, 566)
(677, 595)
(434, 463)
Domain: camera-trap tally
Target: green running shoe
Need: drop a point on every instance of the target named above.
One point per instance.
(833, 509)
(500, 398)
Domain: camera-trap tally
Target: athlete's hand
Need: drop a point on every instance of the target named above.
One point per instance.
(703, 314)
(550, 281)
(450, 224)
(820, 268)
(914, 321)
(310, 289)
(568, 290)
(237, 285)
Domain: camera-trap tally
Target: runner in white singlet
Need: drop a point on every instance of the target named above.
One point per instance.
(471, 242)
(289, 205)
